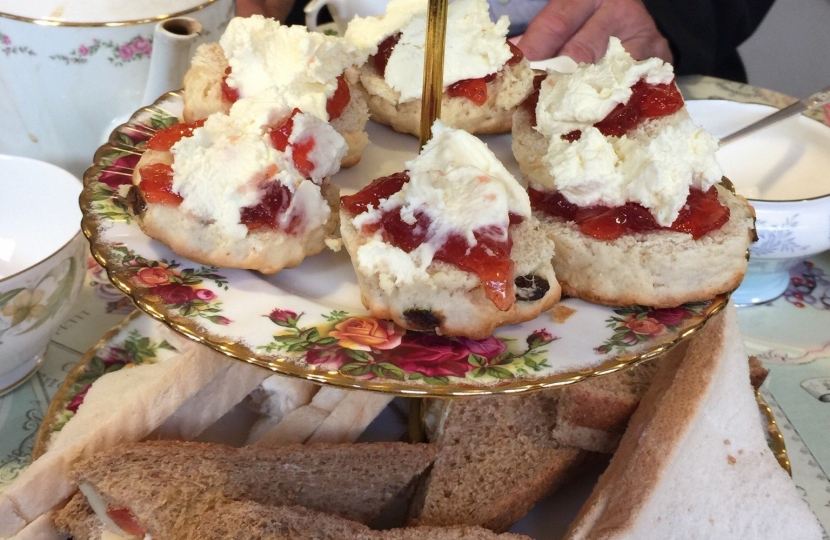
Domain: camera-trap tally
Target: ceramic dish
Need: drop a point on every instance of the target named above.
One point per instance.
(140, 340)
(784, 171)
(309, 322)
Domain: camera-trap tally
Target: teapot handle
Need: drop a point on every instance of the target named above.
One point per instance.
(173, 42)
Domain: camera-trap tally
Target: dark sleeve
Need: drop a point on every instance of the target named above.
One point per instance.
(704, 34)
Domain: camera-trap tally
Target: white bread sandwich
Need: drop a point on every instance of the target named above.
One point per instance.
(311, 71)
(122, 406)
(627, 186)
(245, 190)
(498, 457)
(155, 488)
(485, 77)
(251, 521)
(332, 416)
(694, 462)
(449, 244)
(593, 414)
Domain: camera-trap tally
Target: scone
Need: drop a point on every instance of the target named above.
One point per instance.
(485, 77)
(449, 245)
(627, 186)
(314, 72)
(246, 190)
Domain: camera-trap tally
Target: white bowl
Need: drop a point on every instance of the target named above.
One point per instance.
(41, 260)
(784, 171)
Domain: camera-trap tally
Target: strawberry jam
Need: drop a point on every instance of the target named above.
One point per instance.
(384, 52)
(299, 150)
(275, 202)
(489, 258)
(476, 89)
(126, 521)
(229, 95)
(157, 184)
(164, 139)
(701, 214)
(338, 101)
(647, 101)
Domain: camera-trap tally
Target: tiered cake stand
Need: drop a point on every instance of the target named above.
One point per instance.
(309, 322)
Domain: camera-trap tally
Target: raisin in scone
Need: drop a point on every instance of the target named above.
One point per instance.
(245, 190)
(313, 72)
(485, 77)
(628, 187)
(449, 244)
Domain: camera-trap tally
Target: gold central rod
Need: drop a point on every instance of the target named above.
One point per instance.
(433, 66)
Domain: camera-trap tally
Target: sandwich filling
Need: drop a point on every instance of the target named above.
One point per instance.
(612, 168)
(475, 51)
(262, 165)
(305, 68)
(454, 203)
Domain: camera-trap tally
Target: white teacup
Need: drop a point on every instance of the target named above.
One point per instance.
(343, 11)
(41, 261)
(68, 68)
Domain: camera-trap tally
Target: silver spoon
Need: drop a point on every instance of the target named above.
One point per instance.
(816, 100)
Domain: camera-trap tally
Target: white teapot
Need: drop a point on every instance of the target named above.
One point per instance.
(69, 69)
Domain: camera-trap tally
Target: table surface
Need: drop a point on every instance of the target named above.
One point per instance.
(791, 335)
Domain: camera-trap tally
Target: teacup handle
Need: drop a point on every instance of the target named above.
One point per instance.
(312, 11)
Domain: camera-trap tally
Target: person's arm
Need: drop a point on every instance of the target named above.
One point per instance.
(580, 29)
(704, 34)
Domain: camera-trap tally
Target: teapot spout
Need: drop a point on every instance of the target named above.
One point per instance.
(173, 42)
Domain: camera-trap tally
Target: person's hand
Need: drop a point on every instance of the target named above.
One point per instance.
(277, 9)
(581, 28)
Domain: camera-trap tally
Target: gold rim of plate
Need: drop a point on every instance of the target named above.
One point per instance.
(286, 366)
(776, 438)
(59, 402)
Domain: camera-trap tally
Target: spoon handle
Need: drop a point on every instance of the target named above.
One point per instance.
(817, 99)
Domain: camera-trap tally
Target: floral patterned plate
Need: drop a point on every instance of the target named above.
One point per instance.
(134, 342)
(308, 321)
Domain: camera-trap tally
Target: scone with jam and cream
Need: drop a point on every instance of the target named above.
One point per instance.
(485, 77)
(449, 244)
(244, 190)
(628, 187)
(311, 71)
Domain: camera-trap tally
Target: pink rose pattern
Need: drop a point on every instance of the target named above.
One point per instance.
(366, 348)
(119, 53)
(8, 48)
(178, 289)
(637, 324)
(133, 350)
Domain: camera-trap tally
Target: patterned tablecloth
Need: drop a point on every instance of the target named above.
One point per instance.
(791, 335)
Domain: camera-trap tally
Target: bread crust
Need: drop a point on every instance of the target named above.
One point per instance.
(203, 96)
(454, 298)
(510, 87)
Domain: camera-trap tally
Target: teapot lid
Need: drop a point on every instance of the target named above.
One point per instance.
(97, 12)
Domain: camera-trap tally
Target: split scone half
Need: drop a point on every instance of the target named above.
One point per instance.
(246, 190)
(314, 72)
(628, 187)
(449, 245)
(485, 77)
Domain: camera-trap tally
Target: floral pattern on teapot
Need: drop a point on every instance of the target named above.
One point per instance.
(8, 47)
(137, 48)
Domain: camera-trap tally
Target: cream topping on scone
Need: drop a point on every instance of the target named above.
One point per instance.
(578, 100)
(227, 164)
(460, 186)
(654, 170)
(303, 65)
(475, 48)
